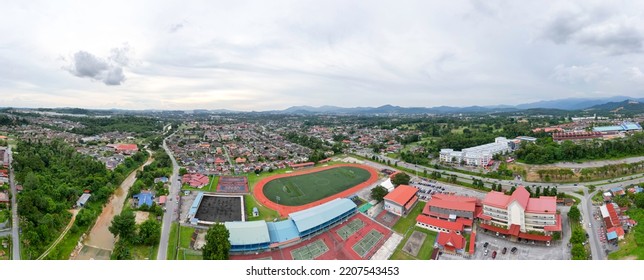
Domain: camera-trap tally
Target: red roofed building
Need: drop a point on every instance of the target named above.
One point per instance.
(453, 208)
(127, 149)
(401, 200)
(4, 198)
(302, 165)
(195, 180)
(438, 225)
(518, 214)
(450, 242)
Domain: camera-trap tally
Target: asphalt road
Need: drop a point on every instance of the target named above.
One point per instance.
(171, 205)
(15, 226)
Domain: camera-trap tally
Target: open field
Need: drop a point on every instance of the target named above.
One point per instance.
(303, 189)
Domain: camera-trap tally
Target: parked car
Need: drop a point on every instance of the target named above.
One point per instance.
(485, 245)
(505, 249)
(494, 255)
(485, 253)
(514, 250)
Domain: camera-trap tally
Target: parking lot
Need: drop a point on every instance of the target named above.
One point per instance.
(428, 187)
(556, 251)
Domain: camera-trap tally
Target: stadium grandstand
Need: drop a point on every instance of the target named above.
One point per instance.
(299, 225)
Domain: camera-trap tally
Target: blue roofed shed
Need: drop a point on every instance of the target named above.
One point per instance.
(320, 217)
(144, 198)
(248, 236)
(611, 235)
(282, 231)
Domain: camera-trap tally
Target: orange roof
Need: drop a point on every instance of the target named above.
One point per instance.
(456, 226)
(402, 194)
(451, 239)
(544, 204)
(310, 163)
(472, 243)
(556, 226)
(127, 147)
(451, 204)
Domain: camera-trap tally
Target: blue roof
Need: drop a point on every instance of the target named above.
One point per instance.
(315, 216)
(611, 235)
(608, 128)
(631, 126)
(247, 233)
(144, 198)
(282, 231)
(195, 205)
(616, 189)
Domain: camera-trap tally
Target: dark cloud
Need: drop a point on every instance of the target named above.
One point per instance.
(611, 34)
(109, 71)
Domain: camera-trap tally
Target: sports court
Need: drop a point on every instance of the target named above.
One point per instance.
(368, 242)
(310, 251)
(350, 228)
(338, 248)
(304, 192)
(214, 209)
(387, 218)
(232, 184)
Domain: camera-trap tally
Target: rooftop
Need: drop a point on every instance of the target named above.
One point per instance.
(401, 194)
(247, 233)
(315, 216)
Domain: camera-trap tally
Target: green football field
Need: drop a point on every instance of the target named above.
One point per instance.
(307, 188)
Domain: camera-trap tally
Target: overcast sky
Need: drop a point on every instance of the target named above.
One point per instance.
(263, 55)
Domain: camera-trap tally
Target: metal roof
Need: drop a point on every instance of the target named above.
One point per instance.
(83, 199)
(312, 217)
(282, 231)
(248, 233)
(608, 128)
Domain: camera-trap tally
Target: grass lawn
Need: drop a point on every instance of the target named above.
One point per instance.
(4, 215)
(7, 251)
(425, 250)
(172, 241)
(307, 188)
(405, 223)
(632, 247)
(184, 237)
(264, 213)
(144, 252)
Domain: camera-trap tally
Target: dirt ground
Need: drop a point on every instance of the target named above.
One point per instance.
(141, 217)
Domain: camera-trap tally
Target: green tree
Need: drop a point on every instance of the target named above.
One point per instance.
(574, 215)
(401, 178)
(182, 171)
(378, 193)
(121, 251)
(639, 200)
(124, 226)
(578, 252)
(217, 245)
(578, 236)
(149, 232)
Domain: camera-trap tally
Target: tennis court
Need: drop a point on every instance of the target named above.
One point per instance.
(367, 242)
(310, 251)
(350, 228)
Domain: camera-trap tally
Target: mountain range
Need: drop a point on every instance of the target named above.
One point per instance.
(569, 104)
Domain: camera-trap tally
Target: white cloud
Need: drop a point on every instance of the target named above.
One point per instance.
(583, 73)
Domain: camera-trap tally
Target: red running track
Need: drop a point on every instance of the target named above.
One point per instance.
(284, 210)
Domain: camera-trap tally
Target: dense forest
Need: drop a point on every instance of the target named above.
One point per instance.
(54, 176)
(548, 151)
(134, 124)
(11, 121)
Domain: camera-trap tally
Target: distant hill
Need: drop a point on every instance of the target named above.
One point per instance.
(623, 107)
(574, 103)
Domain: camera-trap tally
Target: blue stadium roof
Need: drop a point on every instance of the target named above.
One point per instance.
(144, 198)
(608, 128)
(312, 217)
(631, 126)
(247, 233)
(282, 231)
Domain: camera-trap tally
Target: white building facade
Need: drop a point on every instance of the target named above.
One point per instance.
(479, 155)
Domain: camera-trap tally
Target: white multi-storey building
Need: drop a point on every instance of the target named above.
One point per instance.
(479, 155)
(520, 216)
